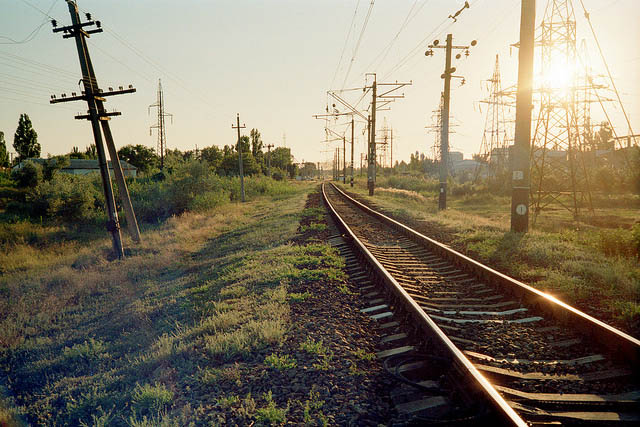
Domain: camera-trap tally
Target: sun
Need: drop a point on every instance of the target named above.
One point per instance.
(558, 77)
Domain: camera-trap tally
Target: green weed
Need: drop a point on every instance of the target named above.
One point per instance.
(299, 297)
(280, 363)
(271, 414)
(149, 398)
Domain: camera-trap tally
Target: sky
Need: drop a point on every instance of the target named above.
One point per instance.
(272, 61)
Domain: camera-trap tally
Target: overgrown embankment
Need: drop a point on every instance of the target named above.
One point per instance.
(597, 269)
(235, 315)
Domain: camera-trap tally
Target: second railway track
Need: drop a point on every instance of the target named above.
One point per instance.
(527, 357)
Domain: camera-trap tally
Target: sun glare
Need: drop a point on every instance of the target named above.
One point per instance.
(559, 77)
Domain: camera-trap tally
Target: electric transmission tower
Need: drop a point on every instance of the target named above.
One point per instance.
(558, 171)
(162, 134)
(494, 147)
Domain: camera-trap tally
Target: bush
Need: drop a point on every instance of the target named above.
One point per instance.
(66, 197)
(278, 174)
(29, 175)
(620, 242)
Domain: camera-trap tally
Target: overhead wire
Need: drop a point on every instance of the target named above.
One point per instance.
(405, 59)
(595, 37)
(385, 51)
(346, 41)
(357, 47)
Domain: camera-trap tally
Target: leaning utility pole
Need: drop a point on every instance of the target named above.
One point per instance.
(240, 156)
(444, 138)
(99, 117)
(162, 135)
(520, 183)
(269, 147)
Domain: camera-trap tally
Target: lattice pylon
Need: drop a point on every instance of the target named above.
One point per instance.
(558, 174)
(494, 146)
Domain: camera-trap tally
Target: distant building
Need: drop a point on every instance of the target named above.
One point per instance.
(86, 166)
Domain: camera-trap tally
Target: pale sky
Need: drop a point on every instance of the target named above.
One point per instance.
(272, 61)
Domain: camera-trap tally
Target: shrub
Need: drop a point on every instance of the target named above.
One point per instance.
(620, 242)
(278, 174)
(66, 197)
(29, 175)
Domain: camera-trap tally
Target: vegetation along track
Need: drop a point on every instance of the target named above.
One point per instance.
(531, 358)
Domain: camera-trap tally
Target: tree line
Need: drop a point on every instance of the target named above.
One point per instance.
(223, 161)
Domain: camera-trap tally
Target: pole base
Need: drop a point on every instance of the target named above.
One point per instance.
(442, 197)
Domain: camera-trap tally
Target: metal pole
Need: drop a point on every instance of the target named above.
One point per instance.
(352, 144)
(91, 91)
(371, 176)
(392, 150)
(521, 183)
(344, 159)
(444, 136)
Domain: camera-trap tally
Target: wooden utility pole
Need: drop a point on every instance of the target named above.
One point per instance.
(98, 116)
(269, 147)
(352, 144)
(361, 162)
(444, 132)
(240, 155)
(520, 184)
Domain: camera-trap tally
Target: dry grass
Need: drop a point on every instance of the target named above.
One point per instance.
(140, 341)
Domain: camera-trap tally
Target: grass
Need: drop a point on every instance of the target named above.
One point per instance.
(592, 266)
(150, 340)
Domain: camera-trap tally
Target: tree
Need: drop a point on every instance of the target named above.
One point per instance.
(25, 140)
(91, 152)
(4, 154)
(212, 155)
(256, 147)
(244, 144)
(281, 158)
(53, 165)
(142, 157)
(604, 137)
(76, 154)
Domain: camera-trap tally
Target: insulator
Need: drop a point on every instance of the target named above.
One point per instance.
(98, 24)
(120, 87)
(54, 23)
(110, 89)
(88, 15)
(73, 94)
(458, 56)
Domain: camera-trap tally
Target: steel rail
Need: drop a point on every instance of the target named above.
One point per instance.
(482, 387)
(623, 346)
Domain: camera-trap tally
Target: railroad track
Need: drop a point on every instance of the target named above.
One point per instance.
(467, 336)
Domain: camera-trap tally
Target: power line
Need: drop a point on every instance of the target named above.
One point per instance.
(39, 65)
(355, 51)
(346, 41)
(613, 84)
(411, 54)
(406, 22)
